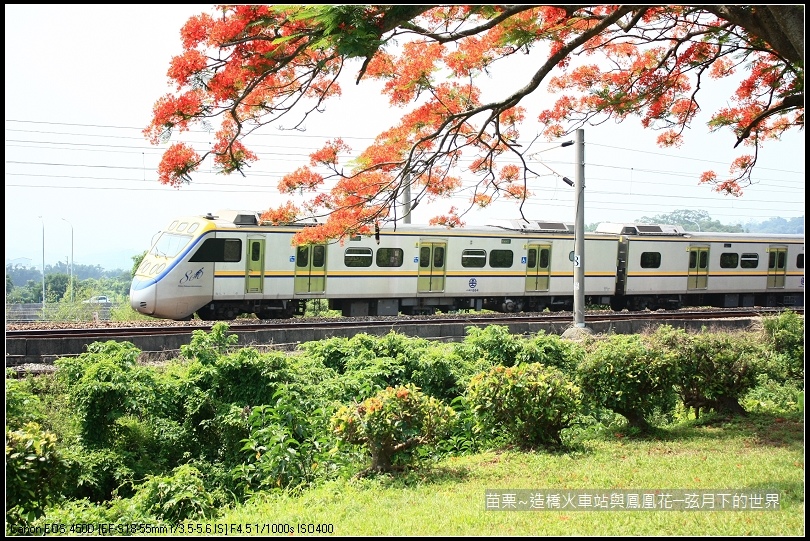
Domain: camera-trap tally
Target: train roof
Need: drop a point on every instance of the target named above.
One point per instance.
(640, 229)
(249, 218)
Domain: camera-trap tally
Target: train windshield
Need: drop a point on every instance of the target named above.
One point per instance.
(169, 245)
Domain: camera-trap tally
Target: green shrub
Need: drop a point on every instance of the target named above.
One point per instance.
(531, 403)
(776, 397)
(206, 347)
(552, 350)
(84, 517)
(287, 447)
(493, 344)
(433, 371)
(718, 368)
(626, 375)
(176, 497)
(391, 423)
(95, 474)
(71, 369)
(33, 473)
(246, 377)
(22, 405)
(107, 391)
(785, 333)
(332, 352)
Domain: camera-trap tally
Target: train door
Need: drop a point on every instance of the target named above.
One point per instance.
(538, 267)
(698, 275)
(310, 269)
(254, 273)
(777, 266)
(432, 266)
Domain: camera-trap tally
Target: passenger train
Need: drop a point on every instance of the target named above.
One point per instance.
(221, 266)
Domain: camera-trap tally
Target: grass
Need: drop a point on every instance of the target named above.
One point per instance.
(762, 452)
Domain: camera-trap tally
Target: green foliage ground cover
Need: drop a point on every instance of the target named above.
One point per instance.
(234, 435)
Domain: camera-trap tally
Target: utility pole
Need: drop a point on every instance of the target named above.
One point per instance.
(43, 266)
(72, 293)
(579, 231)
(579, 241)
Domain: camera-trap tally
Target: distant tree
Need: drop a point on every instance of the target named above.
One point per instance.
(778, 225)
(20, 275)
(692, 220)
(31, 292)
(252, 65)
(82, 272)
(56, 285)
(136, 262)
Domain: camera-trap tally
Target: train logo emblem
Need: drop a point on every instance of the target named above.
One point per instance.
(191, 276)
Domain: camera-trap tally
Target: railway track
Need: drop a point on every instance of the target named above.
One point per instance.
(30, 344)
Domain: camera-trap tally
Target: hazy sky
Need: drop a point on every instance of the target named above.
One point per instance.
(81, 81)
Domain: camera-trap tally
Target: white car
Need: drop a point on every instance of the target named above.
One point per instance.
(101, 299)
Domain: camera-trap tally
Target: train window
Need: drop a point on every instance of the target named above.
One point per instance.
(438, 257)
(424, 256)
(174, 224)
(357, 257)
(532, 261)
(390, 257)
(255, 251)
(169, 245)
(302, 256)
(782, 259)
(501, 258)
(800, 261)
(571, 256)
(651, 260)
(318, 255)
(545, 255)
(473, 258)
(232, 250)
(219, 250)
(729, 260)
(193, 228)
(749, 261)
(704, 259)
(182, 226)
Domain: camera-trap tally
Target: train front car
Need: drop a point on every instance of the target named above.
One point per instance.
(166, 285)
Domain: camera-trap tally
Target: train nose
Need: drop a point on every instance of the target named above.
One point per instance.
(142, 295)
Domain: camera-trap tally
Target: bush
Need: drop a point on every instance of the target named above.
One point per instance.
(391, 423)
(769, 396)
(22, 405)
(176, 497)
(108, 389)
(627, 376)
(785, 333)
(492, 344)
(717, 369)
(33, 473)
(532, 403)
(287, 447)
(207, 347)
(552, 350)
(95, 474)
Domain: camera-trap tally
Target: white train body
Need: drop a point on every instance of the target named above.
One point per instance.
(222, 266)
